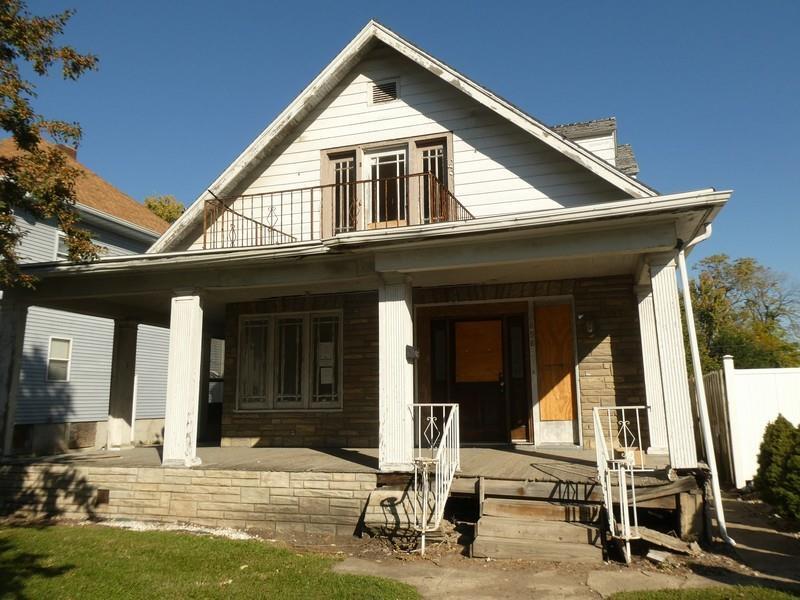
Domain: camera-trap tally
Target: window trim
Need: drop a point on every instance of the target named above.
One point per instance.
(414, 147)
(59, 236)
(68, 360)
(306, 377)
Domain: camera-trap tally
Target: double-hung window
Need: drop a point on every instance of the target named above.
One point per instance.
(290, 362)
(59, 355)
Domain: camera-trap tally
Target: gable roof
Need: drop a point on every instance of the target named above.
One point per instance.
(333, 73)
(96, 193)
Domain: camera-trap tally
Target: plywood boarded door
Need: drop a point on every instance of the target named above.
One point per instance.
(555, 362)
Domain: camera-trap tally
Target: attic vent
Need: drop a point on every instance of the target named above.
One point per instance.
(384, 91)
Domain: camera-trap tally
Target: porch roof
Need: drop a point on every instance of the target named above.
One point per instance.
(603, 239)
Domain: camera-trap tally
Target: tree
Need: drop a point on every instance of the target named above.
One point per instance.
(37, 179)
(167, 207)
(747, 310)
(778, 476)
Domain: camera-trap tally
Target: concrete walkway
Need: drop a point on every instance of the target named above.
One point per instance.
(475, 579)
(763, 543)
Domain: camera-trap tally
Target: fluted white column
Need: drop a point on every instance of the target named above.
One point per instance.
(656, 419)
(674, 375)
(183, 381)
(123, 382)
(396, 331)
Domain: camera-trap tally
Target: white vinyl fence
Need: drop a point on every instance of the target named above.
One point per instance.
(741, 402)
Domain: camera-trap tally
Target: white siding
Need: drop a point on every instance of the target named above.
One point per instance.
(498, 168)
(604, 146)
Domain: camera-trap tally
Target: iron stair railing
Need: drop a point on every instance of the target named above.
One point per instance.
(620, 455)
(437, 458)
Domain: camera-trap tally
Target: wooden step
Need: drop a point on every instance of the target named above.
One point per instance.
(541, 510)
(491, 547)
(528, 529)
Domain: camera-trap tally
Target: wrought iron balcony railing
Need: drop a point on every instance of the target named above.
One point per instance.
(312, 213)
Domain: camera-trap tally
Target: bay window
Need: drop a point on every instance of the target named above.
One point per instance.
(289, 362)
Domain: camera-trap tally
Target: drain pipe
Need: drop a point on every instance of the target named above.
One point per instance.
(700, 390)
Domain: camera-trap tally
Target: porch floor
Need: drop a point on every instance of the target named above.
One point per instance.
(516, 463)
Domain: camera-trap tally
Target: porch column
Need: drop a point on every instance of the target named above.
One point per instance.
(123, 384)
(656, 418)
(395, 333)
(13, 319)
(183, 380)
(674, 376)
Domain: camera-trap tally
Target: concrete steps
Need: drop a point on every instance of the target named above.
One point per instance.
(537, 530)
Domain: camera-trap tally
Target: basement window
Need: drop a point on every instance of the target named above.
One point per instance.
(59, 355)
(290, 362)
(385, 91)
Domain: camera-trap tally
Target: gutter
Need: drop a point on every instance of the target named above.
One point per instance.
(121, 225)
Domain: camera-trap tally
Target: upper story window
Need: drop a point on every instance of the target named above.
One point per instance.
(289, 362)
(59, 356)
(387, 191)
(379, 186)
(62, 248)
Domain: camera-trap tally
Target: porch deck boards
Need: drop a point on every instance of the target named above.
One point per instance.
(518, 463)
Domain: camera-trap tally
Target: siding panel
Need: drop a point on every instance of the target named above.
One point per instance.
(152, 349)
(85, 396)
(497, 168)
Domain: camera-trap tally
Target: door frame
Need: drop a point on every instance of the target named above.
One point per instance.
(533, 392)
(461, 310)
(544, 300)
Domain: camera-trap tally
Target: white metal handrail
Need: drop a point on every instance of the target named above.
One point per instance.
(437, 455)
(620, 452)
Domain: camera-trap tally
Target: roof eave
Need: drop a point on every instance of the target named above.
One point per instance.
(706, 200)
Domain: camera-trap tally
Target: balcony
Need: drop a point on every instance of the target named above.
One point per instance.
(314, 213)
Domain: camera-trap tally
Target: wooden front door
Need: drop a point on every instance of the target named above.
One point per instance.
(479, 360)
(555, 366)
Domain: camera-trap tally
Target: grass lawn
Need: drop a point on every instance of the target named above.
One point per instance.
(719, 593)
(104, 562)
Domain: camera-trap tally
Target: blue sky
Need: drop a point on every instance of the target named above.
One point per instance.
(708, 93)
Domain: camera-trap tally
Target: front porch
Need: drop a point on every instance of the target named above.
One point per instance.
(525, 325)
(306, 491)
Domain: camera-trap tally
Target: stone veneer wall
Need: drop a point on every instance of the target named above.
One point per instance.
(356, 425)
(272, 502)
(610, 359)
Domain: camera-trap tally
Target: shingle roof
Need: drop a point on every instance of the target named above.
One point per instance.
(95, 192)
(585, 129)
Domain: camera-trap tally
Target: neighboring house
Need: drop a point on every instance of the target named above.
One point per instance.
(65, 374)
(400, 235)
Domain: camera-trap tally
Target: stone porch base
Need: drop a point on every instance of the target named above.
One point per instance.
(269, 501)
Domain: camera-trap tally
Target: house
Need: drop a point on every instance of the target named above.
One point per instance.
(65, 371)
(403, 259)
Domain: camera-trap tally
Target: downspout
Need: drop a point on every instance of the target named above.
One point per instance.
(700, 390)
